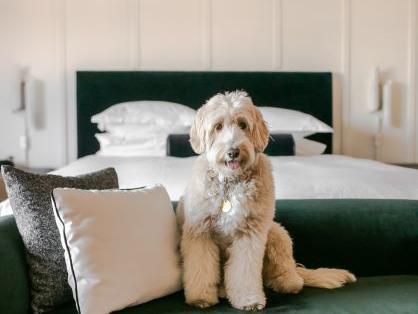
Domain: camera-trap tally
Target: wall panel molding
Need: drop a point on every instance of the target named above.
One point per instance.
(346, 74)
(134, 39)
(411, 102)
(416, 80)
(206, 13)
(63, 68)
(412, 110)
(276, 41)
(70, 111)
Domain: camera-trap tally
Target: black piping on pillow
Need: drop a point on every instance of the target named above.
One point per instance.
(68, 251)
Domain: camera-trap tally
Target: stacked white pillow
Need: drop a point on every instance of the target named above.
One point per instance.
(300, 125)
(145, 112)
(140, 128)
(121, 246)
(145, 141)
(297, 123)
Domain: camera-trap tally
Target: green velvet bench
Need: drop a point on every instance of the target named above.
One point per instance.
(376, 239)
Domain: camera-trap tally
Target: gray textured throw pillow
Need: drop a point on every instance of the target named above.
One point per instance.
(30, 198)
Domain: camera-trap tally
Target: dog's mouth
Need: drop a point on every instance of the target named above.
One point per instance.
(233, 164)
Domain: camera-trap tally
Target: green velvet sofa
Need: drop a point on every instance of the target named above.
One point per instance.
(375, 239)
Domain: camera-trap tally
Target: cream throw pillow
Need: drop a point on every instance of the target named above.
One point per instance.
(120, 246)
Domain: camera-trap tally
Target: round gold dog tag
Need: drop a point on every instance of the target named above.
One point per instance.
(226, 206)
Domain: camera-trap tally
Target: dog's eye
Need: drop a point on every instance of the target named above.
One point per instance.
(218, 126)
(242, 125)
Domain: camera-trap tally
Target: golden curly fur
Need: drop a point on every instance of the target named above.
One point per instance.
(233, 250)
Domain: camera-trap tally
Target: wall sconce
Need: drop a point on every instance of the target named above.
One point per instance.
(22, 108)
(380, 104)
(374, 103)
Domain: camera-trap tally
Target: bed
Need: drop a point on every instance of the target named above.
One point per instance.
(325, 176)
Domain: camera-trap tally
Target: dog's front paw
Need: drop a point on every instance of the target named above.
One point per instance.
(253, 302)
(254, 307)
(203, 300)
(203, 304)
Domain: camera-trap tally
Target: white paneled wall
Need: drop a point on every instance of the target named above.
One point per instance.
(172, 34)
(313, 41)
(383, 43)
(54, 38)
(11, 25)
(98, 35)
(31, 41)
(242, 34)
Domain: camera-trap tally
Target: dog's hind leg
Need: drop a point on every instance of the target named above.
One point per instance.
(201, 273)
(283, 275)
(279, 270)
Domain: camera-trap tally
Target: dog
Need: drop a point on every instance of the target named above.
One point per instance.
(230, 245)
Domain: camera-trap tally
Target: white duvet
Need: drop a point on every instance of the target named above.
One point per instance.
(296, 177)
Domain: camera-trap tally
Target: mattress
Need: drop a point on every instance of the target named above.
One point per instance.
(296, 177)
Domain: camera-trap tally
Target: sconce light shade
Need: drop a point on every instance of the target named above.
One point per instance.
(24, 73)
(387, 101)
(374, 97)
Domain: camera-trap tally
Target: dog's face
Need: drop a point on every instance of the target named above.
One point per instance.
(230, 130)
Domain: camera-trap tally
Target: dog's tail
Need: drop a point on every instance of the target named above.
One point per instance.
(328, 278)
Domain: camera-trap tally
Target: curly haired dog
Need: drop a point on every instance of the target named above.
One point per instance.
(230, 244)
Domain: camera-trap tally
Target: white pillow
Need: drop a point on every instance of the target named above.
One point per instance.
(162, 113)
(300, 124)
(140, 131)
(112, 145)
(305, 147)
(121, 246)
(125, 140)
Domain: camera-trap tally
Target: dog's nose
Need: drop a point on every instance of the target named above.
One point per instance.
(233, 153)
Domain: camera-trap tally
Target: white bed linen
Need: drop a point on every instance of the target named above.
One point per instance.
(296, 177)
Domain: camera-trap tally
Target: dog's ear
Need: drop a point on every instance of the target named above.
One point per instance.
(260, 132)
(197, 133)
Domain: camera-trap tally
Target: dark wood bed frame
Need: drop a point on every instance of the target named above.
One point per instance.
(97, 90)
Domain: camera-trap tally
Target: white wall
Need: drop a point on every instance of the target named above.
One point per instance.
(54, 38)
(31, 38)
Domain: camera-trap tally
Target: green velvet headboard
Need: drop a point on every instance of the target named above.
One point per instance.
(97, 90)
